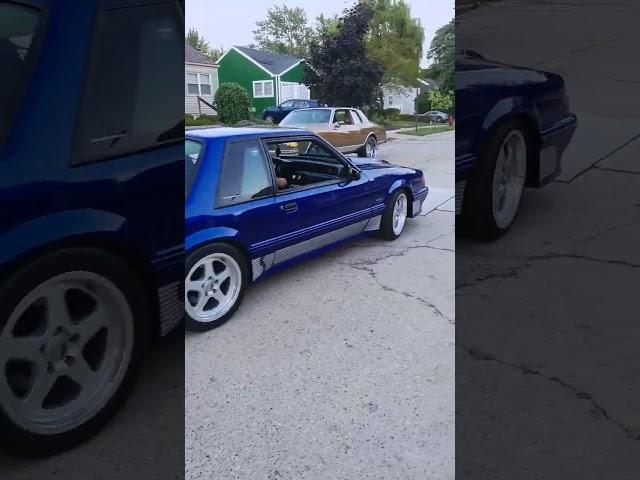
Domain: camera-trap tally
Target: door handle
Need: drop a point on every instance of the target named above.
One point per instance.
(289, 208)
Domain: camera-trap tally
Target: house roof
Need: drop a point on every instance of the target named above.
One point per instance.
(275, 63)
(427, 83)
(191, 55)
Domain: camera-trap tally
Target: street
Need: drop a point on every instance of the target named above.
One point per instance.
(550, 373)
(341, 367)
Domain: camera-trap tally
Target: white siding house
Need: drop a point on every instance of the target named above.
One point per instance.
(201, 80)
(404, 98)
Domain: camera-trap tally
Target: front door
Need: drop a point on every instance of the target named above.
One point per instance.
(321, 204)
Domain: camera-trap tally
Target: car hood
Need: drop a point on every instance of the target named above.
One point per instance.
(376, 164)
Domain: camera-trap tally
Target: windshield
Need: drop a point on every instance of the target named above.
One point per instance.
(192, 153)
(305, 117)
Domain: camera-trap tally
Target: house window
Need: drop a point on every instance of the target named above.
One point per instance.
(198, 84)
(263, 89)
(390, 100)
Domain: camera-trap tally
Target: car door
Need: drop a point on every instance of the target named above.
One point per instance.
(343, 133)
(323, 213)
(244, 198)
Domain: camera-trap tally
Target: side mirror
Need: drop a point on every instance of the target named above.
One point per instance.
(353, 174)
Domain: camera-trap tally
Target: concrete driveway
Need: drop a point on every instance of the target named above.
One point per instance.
(546, 315)
(341, 367)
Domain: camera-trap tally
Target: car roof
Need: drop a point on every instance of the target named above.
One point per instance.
(330, 108)
(237, 132)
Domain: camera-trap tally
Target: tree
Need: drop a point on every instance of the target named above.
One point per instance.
(328, 25)
(285, 31)
(442, 55)
(198, 42)
(395, 40)
(440, 100)
(338, 69)
(423, 103)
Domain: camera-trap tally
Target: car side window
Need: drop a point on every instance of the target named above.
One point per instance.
(342, 116)
(355, 117)
(127, 105)
(17, 30)
(287, 104)
(244, 174)
(299, 104)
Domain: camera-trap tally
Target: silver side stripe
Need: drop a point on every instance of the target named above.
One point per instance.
(171, 303)
(262, 264)
(459, 195)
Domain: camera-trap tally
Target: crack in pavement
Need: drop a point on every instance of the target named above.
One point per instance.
(616, 170)
(594, 165)
(387, 288)
(579, 394)
(527, 261)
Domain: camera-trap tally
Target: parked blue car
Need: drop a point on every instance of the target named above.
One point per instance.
(260, 199)
(513, 126)
(91, 231)
(277, 113)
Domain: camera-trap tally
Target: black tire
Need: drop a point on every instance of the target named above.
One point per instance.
(200, 326)
(477, 213)
(21, 442)
(269, 119)
(386, 224)
(362, 151)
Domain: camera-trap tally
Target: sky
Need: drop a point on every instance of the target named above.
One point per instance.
(231, 22)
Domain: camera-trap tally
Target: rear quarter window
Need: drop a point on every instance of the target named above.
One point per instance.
(132, 99)
(192, 160)
(245, 174)
(19, 26)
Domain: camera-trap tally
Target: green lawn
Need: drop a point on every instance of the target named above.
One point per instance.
(422, 131)
(395, 124)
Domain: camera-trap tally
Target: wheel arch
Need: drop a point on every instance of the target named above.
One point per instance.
(125, 251)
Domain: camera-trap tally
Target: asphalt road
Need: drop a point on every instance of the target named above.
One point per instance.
(547, 316)
(342, 367)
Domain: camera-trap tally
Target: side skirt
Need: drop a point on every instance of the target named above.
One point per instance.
(261, 265)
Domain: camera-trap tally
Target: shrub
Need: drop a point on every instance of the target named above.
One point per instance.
(232, 103)
(412, 118)
(201, 120)
(391, 113)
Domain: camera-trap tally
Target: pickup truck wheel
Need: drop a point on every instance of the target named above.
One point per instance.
(72, 332)
(493, 195)
(215, 281)
(394, 217)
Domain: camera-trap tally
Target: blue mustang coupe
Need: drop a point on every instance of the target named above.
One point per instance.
(258, 199)
(513, 125)
(91, 230)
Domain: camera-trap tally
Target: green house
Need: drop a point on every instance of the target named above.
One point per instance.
(268, 78)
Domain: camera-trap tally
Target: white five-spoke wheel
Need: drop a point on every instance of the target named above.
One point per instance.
(508, 178)
(395, 216)
(399, 214)
(494, 191)
(64, 351)
(213, 286)
(70, 344)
